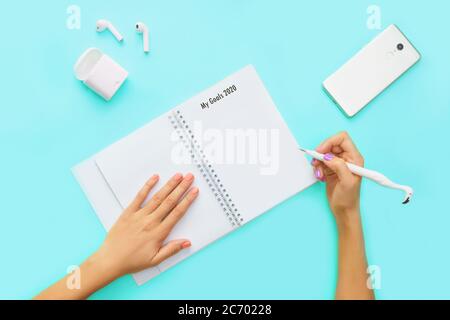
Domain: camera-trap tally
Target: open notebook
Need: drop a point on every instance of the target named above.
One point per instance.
(231, 137)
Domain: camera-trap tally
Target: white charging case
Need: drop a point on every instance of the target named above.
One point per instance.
(100, 73)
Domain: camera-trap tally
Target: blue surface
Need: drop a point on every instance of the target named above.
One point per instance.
(49, 121)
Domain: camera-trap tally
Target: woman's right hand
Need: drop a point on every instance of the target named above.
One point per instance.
(343, 187)
(343, 190)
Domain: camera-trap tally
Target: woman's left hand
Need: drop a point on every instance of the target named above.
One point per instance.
(136, 241)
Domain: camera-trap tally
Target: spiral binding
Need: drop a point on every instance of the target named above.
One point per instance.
(206, 168)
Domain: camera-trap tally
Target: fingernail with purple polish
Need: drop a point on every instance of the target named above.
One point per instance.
(328, 157)
(318, 174)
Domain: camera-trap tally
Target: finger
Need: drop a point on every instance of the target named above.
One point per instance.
(136, 204)
(335, 140)
(170, 249)
(324, 169)
(322, 172)
(179, 211)
(340, 143)
(318, 172)
(173, 198)
(162, 194)
(327, 172)
(352, 158)
(337, 150)
(338, 166)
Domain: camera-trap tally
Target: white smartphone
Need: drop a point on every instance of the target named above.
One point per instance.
(371, 70)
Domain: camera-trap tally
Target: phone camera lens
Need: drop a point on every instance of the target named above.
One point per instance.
(400, 46)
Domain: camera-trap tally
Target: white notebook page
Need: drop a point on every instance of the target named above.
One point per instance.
(261, 165)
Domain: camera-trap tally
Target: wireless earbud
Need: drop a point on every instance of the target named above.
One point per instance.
(105, 24)
(142, 28)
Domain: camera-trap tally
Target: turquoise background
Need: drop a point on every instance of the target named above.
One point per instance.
(49, 122)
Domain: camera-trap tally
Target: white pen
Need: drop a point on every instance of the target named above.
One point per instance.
(369, 174)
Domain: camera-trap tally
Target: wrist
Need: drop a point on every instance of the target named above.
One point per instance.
(348, 220)
(103, 266)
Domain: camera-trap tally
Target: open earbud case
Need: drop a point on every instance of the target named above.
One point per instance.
(100, 73)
